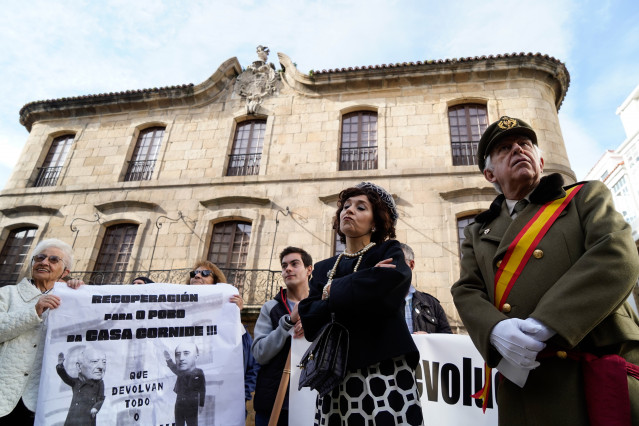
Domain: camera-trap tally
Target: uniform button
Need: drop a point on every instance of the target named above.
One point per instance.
(538, 254)
(498, 263)
(35, 346)
(562, 354)
(26, 374)
(506, 308)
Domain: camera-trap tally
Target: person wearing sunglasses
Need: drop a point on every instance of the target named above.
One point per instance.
(205, 272)
(23, 308)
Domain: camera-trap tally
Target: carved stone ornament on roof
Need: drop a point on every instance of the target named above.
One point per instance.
(258, 81)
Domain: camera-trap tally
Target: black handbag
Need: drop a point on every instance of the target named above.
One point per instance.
(324, 363)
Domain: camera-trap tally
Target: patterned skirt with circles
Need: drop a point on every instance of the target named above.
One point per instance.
(378, 395)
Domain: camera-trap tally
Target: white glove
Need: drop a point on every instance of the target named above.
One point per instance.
(512, 339)
(513, 373)
(544, 332)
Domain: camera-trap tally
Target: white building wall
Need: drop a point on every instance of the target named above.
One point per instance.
(619, 168)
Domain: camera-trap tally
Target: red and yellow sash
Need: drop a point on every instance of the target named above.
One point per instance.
(517, 255)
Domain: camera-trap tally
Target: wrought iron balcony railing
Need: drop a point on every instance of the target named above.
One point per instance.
(464, 153)
(139, 170)
(358, 158)
(244, 164)
(47, 176)
(256, 286)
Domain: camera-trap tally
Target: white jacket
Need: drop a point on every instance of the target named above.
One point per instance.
(21, 346)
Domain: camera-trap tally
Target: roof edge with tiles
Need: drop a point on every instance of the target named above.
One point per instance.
(318, 81)
(185, 94)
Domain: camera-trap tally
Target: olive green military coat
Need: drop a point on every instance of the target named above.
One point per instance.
(576, 283)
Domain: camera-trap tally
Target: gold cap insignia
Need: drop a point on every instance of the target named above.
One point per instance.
(507, 123)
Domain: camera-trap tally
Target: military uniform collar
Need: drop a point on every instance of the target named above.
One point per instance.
(549, 188)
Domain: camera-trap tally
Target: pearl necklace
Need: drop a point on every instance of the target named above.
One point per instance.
(359, 254)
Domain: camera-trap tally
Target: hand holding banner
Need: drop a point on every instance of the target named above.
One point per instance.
(142, 355)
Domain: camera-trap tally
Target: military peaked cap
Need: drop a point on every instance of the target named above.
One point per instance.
(505, 126)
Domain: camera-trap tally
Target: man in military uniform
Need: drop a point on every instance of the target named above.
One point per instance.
(190, 385)
(543, 309)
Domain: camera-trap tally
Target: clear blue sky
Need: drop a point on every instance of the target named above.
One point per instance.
(53, 49)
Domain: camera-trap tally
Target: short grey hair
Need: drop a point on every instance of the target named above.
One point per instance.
(489, 166)
(409, 254)
(67, 251)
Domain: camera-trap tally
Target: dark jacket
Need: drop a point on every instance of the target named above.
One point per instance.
(189, 384)
(576, 283)
(87, 394)
(271, 330)
(428, 314)
(369, 303)
(251, 366)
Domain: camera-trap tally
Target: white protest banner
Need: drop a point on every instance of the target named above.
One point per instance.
(143, 355)
(301, 403)
(449, 372)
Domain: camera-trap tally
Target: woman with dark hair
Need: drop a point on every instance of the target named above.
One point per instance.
(364, 288)
(142, 280)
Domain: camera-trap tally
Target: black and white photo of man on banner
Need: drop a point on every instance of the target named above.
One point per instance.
(174, 356)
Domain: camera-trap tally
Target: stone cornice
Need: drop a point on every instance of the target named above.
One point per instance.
(128, 204)
(456, 194)
(428, 72)
(133, 100)
(315, 84)
(30, 210)
(332, 199)
(238, 199)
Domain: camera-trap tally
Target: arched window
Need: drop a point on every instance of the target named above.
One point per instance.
(338, 245)
(145, 154)
(52, 166)
(14, 254)
(462, 222)
(467, 123)
(113, 258)
(247, 148)
(229, 244)
(359, 141)
(229, 248)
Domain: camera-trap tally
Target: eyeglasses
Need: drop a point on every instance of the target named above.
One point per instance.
(205, 273)
(52, 259)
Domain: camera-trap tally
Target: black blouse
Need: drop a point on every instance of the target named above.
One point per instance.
(369, 302)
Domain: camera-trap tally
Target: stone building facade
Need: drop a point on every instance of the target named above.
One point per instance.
(251, 160)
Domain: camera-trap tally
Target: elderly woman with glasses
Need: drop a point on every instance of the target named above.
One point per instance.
(205, 272)
(23, 308)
